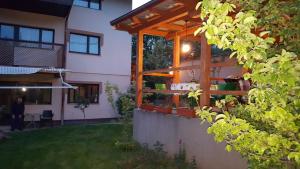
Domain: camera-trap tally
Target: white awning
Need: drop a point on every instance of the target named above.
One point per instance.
(11, 70)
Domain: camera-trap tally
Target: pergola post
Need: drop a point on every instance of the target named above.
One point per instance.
(139, 69)
(176, 63)
(205, 61)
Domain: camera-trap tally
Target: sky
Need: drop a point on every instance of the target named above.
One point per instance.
(137, 3)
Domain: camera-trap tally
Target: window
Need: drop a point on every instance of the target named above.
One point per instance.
(84, 44)
(87, 91)
(23, 33)
(7, 32)
(78, 43)
(47, 36)
(94, 45)
(93, 4)
(29, 34)
(36, 96)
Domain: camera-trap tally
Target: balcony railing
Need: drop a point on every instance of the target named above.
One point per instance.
(31, 54)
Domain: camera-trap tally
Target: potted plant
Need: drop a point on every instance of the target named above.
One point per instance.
(188, 111)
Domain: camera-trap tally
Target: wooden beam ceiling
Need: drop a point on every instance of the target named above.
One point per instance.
(189, 31)
(180, 13)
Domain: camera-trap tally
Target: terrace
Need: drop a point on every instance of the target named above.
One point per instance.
(170, 121)
(177, 20)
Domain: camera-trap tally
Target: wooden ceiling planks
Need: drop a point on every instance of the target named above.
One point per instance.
(160, 18)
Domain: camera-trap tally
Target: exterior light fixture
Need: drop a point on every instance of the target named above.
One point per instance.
(186, 47)
(24, 89)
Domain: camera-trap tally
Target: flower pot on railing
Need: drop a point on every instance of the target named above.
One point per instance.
(164, 110)
(186, 112)
(160, 86)
(147, 107)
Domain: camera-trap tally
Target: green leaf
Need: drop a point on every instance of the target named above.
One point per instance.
(264, 33)
(220, 116)
(228, 148)
(249, 19)
(198, 5)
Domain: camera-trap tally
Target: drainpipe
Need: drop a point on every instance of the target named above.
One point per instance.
(63, 96)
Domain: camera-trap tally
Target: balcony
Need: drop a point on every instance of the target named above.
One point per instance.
(31, 54)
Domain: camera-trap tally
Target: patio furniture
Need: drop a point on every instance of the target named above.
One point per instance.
(46, 118)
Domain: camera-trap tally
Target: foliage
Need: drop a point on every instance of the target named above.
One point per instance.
(110, 91)
(266, 129)
(129, 98)
(122, 100)
(125, 105)
(126, 142)
(82, 103)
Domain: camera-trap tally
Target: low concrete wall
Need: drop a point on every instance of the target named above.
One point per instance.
(170, 130)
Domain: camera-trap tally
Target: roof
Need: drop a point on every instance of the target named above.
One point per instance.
(161, 17)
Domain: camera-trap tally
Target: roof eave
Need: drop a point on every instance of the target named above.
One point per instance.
(136, 11)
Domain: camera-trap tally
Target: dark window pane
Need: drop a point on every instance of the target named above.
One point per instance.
(83, 3)
(29, 34)
(87, 91)
(7, 32)
(47, 36)
(78, 43)
(36, 96)
(95, 4)
(94, 45)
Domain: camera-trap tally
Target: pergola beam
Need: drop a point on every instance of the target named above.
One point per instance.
(155, 33)
(139, 69)
(189, 31)
(176, 63)
(205, 61)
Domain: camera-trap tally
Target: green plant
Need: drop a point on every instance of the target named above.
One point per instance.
(82, 103)
(110, 91)
(130, 104)
(125, 105)
(266, 129)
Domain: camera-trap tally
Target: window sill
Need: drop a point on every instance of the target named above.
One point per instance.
(81, 53)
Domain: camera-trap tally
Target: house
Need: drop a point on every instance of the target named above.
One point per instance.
(168, 121)
(45, 44)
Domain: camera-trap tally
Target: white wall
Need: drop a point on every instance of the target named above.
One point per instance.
(114, 63)
(116, 49)
(95, 111)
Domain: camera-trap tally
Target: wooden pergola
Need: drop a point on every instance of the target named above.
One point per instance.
(174, 20)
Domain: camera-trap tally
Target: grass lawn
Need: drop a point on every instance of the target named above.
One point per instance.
(71, 147)
(80, 147)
